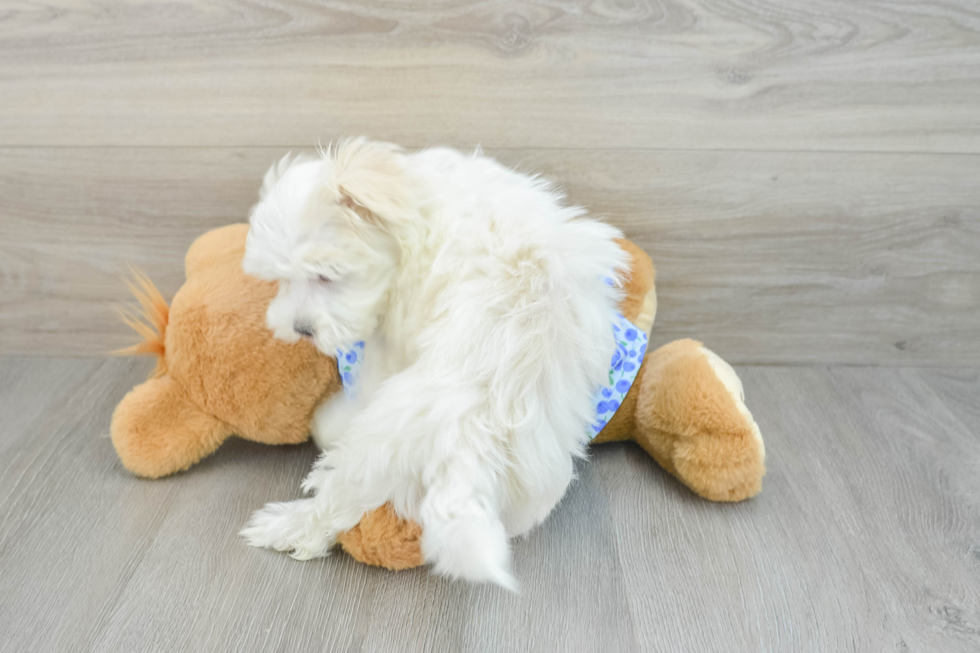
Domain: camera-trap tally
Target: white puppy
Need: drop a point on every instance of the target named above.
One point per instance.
(486, 309)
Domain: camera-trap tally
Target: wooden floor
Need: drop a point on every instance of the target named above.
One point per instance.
(866, 537)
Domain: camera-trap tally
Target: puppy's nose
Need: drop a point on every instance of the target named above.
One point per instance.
(303, 329)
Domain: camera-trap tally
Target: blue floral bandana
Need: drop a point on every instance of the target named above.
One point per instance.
(631, 345)
(349, 365)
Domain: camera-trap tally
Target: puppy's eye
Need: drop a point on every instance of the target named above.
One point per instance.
(323, 279)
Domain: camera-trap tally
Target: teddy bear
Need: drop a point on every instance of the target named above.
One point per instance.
(220, 372)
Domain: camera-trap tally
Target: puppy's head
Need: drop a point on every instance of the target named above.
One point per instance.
(326, 230)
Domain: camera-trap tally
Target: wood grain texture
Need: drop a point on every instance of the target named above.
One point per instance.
(886, 75)
(803, 171)
(92, 558)
(768, 257)
(865, 538)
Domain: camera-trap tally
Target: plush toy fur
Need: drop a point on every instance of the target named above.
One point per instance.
(220, 373)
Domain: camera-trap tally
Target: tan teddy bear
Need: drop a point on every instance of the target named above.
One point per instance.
(220, 373)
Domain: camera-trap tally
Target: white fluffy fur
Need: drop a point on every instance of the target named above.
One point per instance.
(487, 321)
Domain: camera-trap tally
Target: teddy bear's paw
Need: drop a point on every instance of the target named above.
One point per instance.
(293, 527)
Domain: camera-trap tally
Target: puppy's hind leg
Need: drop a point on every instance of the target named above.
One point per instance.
(462, 534)
(464, 538)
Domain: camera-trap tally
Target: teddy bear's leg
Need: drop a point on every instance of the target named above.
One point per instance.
(383, 539)
(157, 431)
(691, 417)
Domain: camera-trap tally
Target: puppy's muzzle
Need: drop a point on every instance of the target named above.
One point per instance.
(303, 329)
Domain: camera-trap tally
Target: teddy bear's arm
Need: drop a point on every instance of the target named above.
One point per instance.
(383, 539)
(157, 431)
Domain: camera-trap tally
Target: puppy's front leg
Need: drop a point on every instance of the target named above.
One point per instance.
(291, 526)
(331, 421)
(308, 528)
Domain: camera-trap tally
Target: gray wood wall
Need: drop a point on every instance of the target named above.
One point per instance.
(805, 173)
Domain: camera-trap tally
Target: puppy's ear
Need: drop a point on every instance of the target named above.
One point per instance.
(374, 176)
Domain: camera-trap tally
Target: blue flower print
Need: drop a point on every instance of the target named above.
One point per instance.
(631, 345)
(617, 360)
(349, 365)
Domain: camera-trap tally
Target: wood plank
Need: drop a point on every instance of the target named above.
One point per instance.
(92, 558)
(959, 390)
(767, 257)
(58, 555)
(787, 75)
(864, 537)
(261, 600)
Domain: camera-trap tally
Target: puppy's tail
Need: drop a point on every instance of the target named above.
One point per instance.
(149, 320)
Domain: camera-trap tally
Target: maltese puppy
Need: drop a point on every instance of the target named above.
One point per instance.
(480, 308)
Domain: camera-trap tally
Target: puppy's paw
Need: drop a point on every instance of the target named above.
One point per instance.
(286, 333)
(292, 527)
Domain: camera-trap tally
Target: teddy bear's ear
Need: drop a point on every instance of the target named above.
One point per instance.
(157, 431)
(215, 245)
